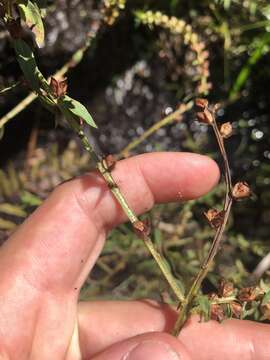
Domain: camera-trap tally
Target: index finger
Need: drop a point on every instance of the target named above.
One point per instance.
(58, 245)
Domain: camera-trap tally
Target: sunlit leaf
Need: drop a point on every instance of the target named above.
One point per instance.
(27, 63)
(30, 199)
(31, 15)
(77, 109)
(204, 305)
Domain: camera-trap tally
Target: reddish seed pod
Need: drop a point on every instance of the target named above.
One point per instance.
(226, 289)
(58, 87)
(205, 116)
(236, 309)
(217, 312)
(241, 190)
(247, 294)
(201, 103)
(226, 130)
(214, 217)
(110, 161)
(141, 228)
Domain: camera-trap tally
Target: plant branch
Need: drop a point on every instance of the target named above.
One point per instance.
(205, 267)
(105, 171)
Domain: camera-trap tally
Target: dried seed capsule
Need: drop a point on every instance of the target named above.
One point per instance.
(142, 228)
(214, 217)
(217, 312)
(225, 288)
(236, 309)
(201, 103)
(226, 130)
(110, 161)
(241, 190)
(205, 116)
(247, 294)
(58, 87)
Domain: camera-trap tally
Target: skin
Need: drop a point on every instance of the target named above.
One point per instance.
(45, 262)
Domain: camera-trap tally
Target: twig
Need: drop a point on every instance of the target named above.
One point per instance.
(105, 171)
(175, 116)
(209, 116)
(9, 88)
(262, 267)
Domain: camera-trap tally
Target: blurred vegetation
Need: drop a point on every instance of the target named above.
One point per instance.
(139, 69)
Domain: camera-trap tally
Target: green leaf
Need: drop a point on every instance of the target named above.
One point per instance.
(266, 298)
(77, 109)
(27, 63)
(204, 305)
(30, 199)
(245, 72)
(31, 15)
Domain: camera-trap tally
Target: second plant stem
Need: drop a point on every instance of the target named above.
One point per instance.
(205, 267)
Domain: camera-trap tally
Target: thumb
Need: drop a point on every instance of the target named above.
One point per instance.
(158, 346)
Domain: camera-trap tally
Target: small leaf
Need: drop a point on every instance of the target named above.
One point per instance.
(204, 305)
(77, 109)
(14, 210)
(27, 63)
(30, 199)
(7, 225)
(266, 298)
(31, 15)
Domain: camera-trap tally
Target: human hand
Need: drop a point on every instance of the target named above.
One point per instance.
(45, 263)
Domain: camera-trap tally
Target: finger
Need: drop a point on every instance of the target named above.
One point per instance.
(58, 245)
(232, 339)
(158, 346)
(104, 323)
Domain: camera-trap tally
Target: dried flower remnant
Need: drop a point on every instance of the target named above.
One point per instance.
(217, 312)
(205, 116)
(201, 103)
(247, 294)
(226, 288)
(215, 218)
(110, 162)
(141, 228)
(58, 87)
(226, 130)
(236, 309)
(241, 190)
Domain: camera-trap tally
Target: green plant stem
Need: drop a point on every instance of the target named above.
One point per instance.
(106, 173)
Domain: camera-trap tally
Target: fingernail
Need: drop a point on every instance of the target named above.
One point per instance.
(152, 350)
